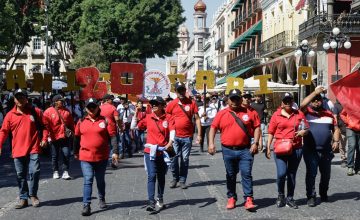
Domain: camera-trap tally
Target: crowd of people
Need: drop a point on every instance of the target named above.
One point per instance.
(100, 133)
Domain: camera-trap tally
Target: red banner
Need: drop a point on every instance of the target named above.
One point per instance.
(131, 72)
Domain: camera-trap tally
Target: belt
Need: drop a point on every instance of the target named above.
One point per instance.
(235, 147)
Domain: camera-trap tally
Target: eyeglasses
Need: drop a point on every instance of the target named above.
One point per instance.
(287, 101)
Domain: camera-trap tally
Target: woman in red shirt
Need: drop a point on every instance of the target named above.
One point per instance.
(158, 129)
(91, 147)
(287, 123)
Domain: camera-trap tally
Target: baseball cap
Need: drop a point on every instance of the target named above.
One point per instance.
(317, 97)
(91, 101)
(157, 100)
(20, 92)
(179, 85)
(108, 96)
(287, 96)
(247, 94)
(58, 98)
(116, 100)
(234, 93)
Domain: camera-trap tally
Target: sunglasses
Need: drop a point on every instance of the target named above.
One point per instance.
(287, 101)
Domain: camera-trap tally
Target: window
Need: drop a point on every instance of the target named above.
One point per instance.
(37, 43)
(201, 65)
(200, 22)
(200, 44)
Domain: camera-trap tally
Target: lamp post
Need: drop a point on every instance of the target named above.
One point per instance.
(304, 51)
(336, 40)
(47, 62)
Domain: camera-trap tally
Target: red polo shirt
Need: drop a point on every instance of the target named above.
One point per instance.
(231, 133)
(109, 111)
(184, 127)
(94, 138)
(54, 123)
(25, 137)
(140, 116)
(284, 128)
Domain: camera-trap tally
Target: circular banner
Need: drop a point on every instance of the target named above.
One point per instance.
(156, 83)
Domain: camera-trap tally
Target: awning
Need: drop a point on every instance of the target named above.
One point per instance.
(236, 5)
(234, 74)
(256, 28)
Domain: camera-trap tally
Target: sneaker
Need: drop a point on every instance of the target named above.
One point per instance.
(350, 171)
(324, 198)
(173, 184)
(280, 202)
(86, 210)
(35, 201)
(56, 175)
(102, 204)
(66, 175)
(113, 166)
(311, 202)
(231, 203)
(151, 207)
(291, 204)
(343, 163)
(121, 156)
(249, 204)
(160, 203)
(22, 203)
(183, 185)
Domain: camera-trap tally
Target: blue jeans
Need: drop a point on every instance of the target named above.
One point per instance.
(61, 145)
(139, 137)
(286, 167)
(22, 165)
(238, 160)
(353, 138)
(155, 169)
(264, 133)
(89, 170)
(182, 148)
(126, 142)
(313, 160)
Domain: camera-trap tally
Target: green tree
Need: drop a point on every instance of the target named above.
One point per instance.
(131, 30)
(91, 54)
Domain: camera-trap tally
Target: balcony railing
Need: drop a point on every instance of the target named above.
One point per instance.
(244, 60)
(278, 44)
(348, 24)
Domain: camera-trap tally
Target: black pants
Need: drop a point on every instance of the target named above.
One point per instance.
(204, 131)
(61, 145)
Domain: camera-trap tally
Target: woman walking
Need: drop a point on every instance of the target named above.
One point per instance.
(288, 126)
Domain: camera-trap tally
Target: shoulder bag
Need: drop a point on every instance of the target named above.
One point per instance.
(284, 146)
(241, 125)
(68, 132)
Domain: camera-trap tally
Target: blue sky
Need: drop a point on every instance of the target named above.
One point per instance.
(188, 6)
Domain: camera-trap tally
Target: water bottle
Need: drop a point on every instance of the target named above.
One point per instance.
(301, 125)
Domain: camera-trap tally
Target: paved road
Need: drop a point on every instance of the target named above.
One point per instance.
(204, 199)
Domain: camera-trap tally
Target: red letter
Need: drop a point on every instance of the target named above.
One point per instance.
(118, 73)
(88, 79)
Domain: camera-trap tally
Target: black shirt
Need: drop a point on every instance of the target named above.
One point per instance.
(259, 108)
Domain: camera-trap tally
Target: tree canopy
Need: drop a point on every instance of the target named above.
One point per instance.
(91, 54)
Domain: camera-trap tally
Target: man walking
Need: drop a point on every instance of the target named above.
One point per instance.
(238, 125)
(260, 108)
(25, 123)
(182, 110)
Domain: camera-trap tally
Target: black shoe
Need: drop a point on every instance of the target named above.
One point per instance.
(291, 204)
(183, 185)
(324, 198)
(121, 156)
(173, 184)
(311, 202)
(102, 204)
(151, 207)
(280, 202)
(86, 210)
(22, 203)
(113, 166)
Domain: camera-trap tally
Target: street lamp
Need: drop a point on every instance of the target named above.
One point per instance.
(47, 3)
(336, 40)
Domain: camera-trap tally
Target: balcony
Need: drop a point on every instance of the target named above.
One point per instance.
(278, 45)
(348, 24)
(219, 44)
(244, 60)
(355, 5)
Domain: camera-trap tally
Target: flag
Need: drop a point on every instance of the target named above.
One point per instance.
(347, 91)
(300, 5)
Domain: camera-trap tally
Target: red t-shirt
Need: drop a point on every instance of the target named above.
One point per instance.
(158, 129)
(284, 128)
(25, 137)
(109, 111)
(54, 123)
(184, 127)
(140, 116)
(231, 133)
(94, 138)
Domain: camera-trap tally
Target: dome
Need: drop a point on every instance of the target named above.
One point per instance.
(200, 6)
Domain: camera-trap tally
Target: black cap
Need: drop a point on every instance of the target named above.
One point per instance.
(58, 98)
(317, 97)
(247, 94)
(107, 97)
(157, 100)
(179, 85)
(20, 92)
(287, 96)
(234, 93)
(91, 101)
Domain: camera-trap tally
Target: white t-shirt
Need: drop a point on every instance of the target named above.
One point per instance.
(210, 113)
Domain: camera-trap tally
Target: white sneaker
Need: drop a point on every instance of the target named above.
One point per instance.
(160, 203)
(56, 175)
(66, 175)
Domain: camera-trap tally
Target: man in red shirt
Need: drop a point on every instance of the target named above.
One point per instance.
(238, 125)
(25, 123)
(59, 121)
(182, 111)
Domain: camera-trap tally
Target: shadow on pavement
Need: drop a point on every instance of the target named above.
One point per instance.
(206, 183)
(263, 182)
(264, 202)
(125, 204)
(207, 201)
(198, 166)
(65, 201)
